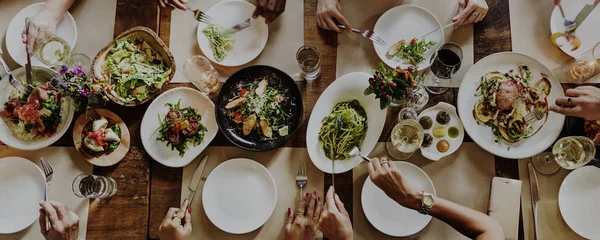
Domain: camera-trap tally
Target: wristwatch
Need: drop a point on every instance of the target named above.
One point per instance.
(426, 203)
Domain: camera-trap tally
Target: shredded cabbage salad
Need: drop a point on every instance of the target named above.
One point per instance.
(220, 44)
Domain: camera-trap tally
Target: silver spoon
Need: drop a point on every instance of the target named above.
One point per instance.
(355, 152)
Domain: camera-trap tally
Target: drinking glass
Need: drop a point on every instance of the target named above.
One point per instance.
(406, 137)
(581, 69)
(444, 64)
(309, 59)
(568, 153)
(52, 50)
(82, 60)
(92, 186)
(201, 73)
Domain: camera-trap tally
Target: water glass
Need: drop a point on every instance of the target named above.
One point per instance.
(581, 69)
(198, 70)
(309, 59)
(444, 64)
(92, 186)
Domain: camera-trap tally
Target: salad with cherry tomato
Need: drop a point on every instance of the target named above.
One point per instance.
(101, 137)
(411, 52)
(179, 127)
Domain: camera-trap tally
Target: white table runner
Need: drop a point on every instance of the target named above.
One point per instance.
(286, 35)
(67, 163)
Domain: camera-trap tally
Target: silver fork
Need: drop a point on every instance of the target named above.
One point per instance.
(301, 177)
(533, 116)
(201, 16)
(49, 172)
(369, 34)
(11, 79)
(570, 26)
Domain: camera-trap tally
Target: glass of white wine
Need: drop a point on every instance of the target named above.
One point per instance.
(581, 69)
(568, 153)
(53, 50)
(406, 137)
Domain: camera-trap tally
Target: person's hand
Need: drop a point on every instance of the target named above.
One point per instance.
(470, 11)
(64, 224)
(335, 221)
(585, 103)
(180, 4)
(329, 14)
(40, 24)
(387, 177)
(177, 225)
(269, 9)
(556, 2)
(303, 224)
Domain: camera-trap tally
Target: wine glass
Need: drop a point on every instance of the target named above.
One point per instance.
(201, 73)
(568, 153)
(444, 64)
(406, 137)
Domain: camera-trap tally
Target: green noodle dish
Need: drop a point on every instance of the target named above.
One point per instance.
(343, 129)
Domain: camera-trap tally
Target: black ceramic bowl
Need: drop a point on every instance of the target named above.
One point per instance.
(292, 107)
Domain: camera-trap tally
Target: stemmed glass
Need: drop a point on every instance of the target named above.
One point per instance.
(444, 64)
(406, 137)
(568, 153)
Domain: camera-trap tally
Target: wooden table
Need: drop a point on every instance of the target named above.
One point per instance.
(147, 189)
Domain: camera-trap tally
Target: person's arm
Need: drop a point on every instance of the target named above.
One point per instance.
(469, 222)
(582, 101)
(470, 11)
(329, 14)
(177, 224)
(44, 21)
(64, 224)
(269, 9)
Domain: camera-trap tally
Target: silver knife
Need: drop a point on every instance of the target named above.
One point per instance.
(585, 11)
(28, 77)
(238, 27)
(197, 178)
(535, 196)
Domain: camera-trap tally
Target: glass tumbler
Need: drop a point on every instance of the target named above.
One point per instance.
(92, 186)
(309, 59)
(581, 69)
(198, 70)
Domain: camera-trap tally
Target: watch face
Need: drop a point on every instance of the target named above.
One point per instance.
(428, 200)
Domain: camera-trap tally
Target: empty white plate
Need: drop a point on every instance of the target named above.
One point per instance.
(387, 215)
(66, 29)
(407, 22)
(577, 200)
(239, 196)
(249, 42)
(22, 186)
(587, 32)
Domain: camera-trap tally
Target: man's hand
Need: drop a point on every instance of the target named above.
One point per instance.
(386, 175)
(269, 9)
(64, 224)
(585, 103)
(177, 225)
(329, 14)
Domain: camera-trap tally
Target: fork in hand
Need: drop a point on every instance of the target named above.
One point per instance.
(48, 172)
(301, 176)
(201, 16)
(369, 34)
(533, 116)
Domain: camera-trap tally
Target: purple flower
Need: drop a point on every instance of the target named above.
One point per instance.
(63, 84)
(63, 71)
(85, 91)
(77, 70)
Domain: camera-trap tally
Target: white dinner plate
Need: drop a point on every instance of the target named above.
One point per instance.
(150, 122)
(389, 217)
(239, 196)
(431, 152)
(407, 22)
(346, 88)
(482, 134)
(66, 29)
(587, 32)
(22, 187)
(577, 199)
(249, 42)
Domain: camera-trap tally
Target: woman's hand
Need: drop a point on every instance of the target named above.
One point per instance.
(177, 225)
(64, 223)
(388, 177)
(42, 23)
(303, 225)
(180, 4)
(584, 103)
(470, 11)
(335, 222)
(269, 9)
(329, 14)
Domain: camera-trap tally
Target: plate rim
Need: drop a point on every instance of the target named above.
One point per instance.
(561, 207)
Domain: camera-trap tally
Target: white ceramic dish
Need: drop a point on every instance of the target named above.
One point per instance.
(389, 217)
(249, 42)
(482, 134)
(407, 22)
(346, 88)
(239, 196)
(150, 122)
(431, 152)
(22, 185)
(7, 137)
(577, 198)
(587, 32)
(66, 29)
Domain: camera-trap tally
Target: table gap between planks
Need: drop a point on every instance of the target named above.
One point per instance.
(147, 189)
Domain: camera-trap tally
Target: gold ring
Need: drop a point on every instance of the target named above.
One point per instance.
(316, 218)
(177, 217)
(384, 161)
(289, 221)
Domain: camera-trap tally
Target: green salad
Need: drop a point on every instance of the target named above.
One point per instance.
(134, 70)
(179, 127)
(412, 52)
(343, 129)
(220, 44)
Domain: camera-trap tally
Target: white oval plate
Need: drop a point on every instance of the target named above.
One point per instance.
(239, 196)
(150, 122)
(407, 22)
(346, 88)
(22, 185)
(66, 29)
(387, 215)
(578, 195)
(481, 134)
(587, 32)
(7, 137)
(431, 152)
(249, 42)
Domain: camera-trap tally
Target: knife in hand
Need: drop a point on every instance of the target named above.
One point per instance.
(196, 179)
(584, 13)
(535, 196)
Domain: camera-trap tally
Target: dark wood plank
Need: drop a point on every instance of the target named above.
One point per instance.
(492, 35)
